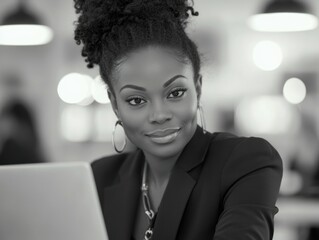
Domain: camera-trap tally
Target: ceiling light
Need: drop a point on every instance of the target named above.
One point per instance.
(22, 28)
(284, 16)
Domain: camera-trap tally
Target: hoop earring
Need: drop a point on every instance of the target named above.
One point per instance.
(118, 122)
(202, 117)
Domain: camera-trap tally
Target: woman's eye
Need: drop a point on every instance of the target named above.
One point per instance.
(135, 101)
(177, 93)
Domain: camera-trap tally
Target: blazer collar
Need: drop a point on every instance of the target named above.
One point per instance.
(195, 151)
(120, 200)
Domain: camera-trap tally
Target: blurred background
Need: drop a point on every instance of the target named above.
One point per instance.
(260, 78)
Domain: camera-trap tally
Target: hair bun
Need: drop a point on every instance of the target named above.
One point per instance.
(98, 19)
(160, 9)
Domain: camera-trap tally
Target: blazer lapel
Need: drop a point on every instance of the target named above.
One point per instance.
(120, 200)
(172, 205)
(180, 186)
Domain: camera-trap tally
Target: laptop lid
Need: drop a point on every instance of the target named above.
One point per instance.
(49, 201)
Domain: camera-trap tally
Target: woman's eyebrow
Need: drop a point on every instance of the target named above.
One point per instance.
(134, 87)
(166, 84)
(171, 80)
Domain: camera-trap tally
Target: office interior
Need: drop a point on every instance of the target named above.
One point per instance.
(256, 82)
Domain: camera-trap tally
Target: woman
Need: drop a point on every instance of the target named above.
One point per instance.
(182, 182)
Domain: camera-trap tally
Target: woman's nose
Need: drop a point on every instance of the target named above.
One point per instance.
(159, 113)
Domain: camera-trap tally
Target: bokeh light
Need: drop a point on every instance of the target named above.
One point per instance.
(75, 88)
(267, 55)
(294, 90)
(99, 91)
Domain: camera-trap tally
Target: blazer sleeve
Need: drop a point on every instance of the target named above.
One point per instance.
(250, 183)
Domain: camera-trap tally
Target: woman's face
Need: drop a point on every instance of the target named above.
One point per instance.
(156, 98)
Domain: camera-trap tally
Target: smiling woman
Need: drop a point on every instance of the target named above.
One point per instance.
(182, 182)
(156, 99)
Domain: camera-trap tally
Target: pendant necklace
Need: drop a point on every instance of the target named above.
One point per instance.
(151, 215)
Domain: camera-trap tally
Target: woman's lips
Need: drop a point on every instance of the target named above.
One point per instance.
(162, 132)
(163, 136)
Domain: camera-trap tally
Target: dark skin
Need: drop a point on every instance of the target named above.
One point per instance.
(156, 98)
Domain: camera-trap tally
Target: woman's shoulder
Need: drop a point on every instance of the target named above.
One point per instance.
(231, 141)
(106, 168)
(243, 154)
(110, 161)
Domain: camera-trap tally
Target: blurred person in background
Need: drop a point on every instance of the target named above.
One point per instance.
(19, 141)
(182, 182)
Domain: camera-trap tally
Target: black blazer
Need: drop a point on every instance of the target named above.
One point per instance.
(222, 187)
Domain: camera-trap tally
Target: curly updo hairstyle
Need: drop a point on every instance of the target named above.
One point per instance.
(110, 29)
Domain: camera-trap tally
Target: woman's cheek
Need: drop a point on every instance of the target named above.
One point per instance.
(133, 119)
(128, 114)
(186, 110)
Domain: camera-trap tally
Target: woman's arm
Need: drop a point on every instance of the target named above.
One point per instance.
(250, 185)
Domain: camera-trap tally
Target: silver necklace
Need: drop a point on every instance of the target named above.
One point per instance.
(151, 215)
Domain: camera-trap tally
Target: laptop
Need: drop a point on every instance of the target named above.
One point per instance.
(50, 201)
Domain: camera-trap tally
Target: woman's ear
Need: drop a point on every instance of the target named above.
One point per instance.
(198, 86)
(113, 103)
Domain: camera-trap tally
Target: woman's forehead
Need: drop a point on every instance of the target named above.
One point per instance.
(149, 63)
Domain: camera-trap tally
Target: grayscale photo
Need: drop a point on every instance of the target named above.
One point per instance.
(159, 120)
